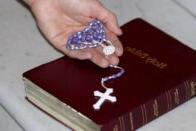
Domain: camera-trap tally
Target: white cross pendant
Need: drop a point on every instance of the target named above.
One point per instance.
(103, 97)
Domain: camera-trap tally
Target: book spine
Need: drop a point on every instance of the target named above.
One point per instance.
(153, 108)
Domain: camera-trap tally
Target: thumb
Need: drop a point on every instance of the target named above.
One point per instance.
(109, 19)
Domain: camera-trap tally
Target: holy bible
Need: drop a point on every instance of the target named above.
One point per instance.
(160, 74)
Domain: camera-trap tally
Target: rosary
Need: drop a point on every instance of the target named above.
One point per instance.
(93, 36)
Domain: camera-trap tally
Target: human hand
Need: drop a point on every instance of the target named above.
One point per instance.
(57, 19)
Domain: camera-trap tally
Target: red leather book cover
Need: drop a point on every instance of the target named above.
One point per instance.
(155, 65)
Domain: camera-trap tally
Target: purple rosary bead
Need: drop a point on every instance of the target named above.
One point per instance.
(90, 37)
(120, 73)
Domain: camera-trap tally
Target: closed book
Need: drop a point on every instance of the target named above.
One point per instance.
(160, 74)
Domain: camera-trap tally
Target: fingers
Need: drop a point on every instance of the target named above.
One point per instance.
(109, 19)
(116, 43)
(95, 55)
(113, 59)
(81, 55)
(98, 58)
(91, 54)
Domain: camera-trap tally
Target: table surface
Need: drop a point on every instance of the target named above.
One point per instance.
(22, 47)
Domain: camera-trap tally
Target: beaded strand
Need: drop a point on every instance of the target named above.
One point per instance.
(114, 76)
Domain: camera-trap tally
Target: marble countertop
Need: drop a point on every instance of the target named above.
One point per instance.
(22, 47)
